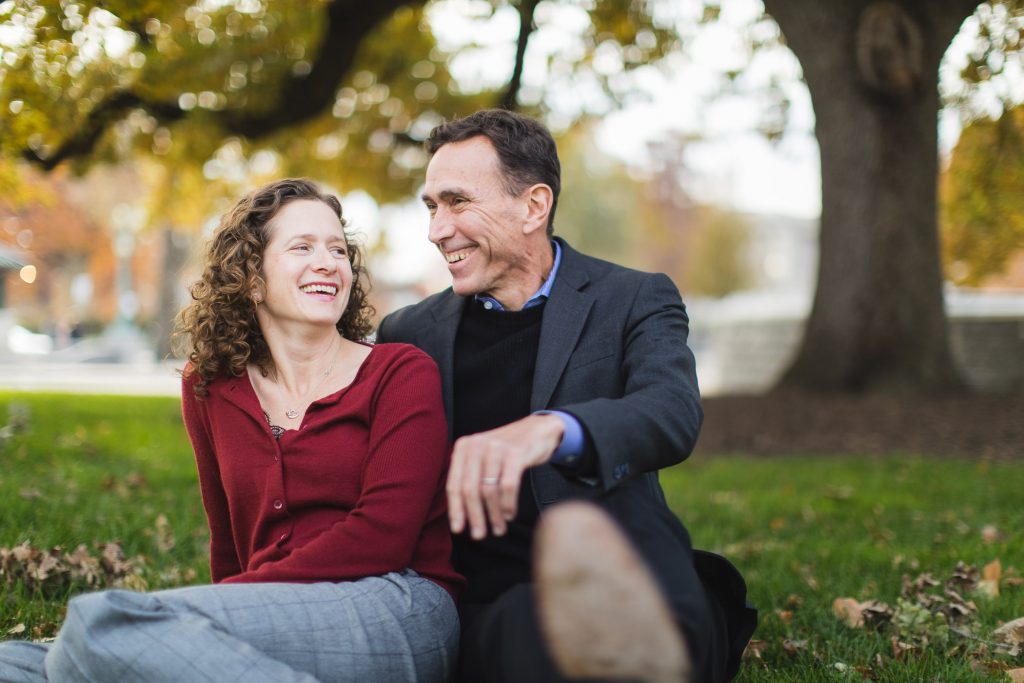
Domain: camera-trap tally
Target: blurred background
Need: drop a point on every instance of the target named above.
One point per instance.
(838, 192)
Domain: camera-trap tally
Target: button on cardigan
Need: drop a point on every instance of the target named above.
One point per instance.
(357, 490)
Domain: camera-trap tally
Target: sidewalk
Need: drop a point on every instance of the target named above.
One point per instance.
(133, 379)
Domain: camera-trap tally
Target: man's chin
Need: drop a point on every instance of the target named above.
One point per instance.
(464, 287)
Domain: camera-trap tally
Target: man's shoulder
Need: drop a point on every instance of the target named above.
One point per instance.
(606, 273)
(401, 324)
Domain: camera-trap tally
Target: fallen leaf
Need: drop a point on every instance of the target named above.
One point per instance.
(990, 534)
(754, 649)
(164, 534)
(784, 615)
(1011, 633)
(20, 628)
(990, 575)
(900, 648)
(848, 611)
(794, 647)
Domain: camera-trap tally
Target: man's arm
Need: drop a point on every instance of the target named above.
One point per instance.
(653, 423)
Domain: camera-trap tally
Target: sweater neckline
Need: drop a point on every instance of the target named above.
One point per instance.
(332, 397)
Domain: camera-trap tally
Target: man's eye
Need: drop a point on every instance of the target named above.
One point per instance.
(432, 208)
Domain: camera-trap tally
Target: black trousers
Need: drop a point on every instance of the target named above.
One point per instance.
(501, 641)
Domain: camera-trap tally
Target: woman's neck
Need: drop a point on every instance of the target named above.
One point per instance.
(298, 360)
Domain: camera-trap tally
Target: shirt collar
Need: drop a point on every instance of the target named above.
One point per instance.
(539, 297)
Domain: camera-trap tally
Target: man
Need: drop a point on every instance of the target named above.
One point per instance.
(564, 378)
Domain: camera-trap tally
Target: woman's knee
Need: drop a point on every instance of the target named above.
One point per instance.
(98, 633)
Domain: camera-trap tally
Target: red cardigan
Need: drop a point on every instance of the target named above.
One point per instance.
(356, 491)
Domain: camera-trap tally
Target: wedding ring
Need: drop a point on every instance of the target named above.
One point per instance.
(489, 481)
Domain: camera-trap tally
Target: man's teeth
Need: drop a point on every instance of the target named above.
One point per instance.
(320, 289)
(456, 256)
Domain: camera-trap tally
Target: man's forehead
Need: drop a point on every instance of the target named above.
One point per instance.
(461, 167)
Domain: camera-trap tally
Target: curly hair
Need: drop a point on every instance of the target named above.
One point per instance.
(218, 332)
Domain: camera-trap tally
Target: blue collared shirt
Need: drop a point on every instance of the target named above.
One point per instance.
(570, 449)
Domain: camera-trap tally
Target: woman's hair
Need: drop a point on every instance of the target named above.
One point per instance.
(218, 332)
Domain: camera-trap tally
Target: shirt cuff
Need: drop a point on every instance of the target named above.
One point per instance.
(569, 453)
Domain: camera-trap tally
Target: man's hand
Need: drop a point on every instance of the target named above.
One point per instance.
(486, 469)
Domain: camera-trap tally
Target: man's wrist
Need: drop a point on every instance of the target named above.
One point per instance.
(569, 452)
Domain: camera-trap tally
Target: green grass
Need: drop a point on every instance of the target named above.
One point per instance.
(804, 530)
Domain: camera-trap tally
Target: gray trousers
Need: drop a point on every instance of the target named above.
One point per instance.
(396, 627)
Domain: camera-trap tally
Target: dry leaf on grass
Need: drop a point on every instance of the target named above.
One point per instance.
(793, 647)
(991, 534)
(857, 614)
(164, 534)
(848, 611)
(990, 575)
(20, 628)
(1011, 632)
(754, 649)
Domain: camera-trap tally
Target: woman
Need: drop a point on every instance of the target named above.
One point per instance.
(321, 463)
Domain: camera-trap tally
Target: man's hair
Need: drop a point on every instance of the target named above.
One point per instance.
(526, 151)
(218, 331)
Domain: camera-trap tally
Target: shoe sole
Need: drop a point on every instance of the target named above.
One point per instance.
(600, 609)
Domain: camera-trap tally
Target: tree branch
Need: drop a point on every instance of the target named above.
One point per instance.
(526, 27)
(301, 97)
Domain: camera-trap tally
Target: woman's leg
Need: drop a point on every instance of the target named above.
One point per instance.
(22, 662)
(397, 627)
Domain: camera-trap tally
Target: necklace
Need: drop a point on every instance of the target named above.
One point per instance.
(292, 413)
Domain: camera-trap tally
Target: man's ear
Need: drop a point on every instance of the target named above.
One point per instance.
(539, 198)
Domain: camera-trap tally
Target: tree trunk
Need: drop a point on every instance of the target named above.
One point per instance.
(175, 249)
(877, 322)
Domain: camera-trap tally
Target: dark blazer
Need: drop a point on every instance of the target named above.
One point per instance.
(612, 353)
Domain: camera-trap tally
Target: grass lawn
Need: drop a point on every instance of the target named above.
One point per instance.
(804, 531)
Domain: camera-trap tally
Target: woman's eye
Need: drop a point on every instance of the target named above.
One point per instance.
(340, 252)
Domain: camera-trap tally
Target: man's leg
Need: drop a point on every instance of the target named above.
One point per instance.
(502, 642)
(395, 628)
(601, 610)
(22, 662)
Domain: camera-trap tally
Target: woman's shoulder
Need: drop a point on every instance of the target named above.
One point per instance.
(191, 378)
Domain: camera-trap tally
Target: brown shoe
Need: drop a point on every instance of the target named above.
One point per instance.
(600, 610)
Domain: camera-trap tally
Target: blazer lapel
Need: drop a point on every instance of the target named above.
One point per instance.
(564, 316)
(440, 343)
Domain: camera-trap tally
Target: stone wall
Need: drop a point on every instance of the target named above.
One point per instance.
(736, 355)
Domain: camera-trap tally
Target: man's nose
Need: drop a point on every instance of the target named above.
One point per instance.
(441, 227)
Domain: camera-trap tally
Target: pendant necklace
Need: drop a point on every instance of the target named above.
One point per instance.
(292, 413)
